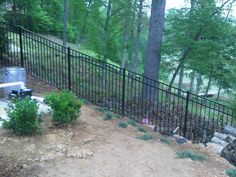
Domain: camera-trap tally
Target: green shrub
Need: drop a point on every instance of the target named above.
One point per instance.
(231, 172)
(145, 137)
(141, 129)
(108, 116)
(123, 124)
(4, 42)
(165, 140)
(23, 117)
(100, 109)
(65, 107)
(192, 155)
(132, 123)
(117, 116)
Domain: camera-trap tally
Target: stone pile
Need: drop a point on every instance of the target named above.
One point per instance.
(225, 143)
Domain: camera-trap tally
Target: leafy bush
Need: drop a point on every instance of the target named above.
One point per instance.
(132, 123)
(108, 116)
(141, 129)
(23, 117)
(4, 42)
(123, 124)
(145, 137)
(192, 155)
(65, 107)
(165, 140)
(231, 172)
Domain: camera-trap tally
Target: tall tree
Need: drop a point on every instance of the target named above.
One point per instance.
(153, 56)
(65, 20)
(135, 59)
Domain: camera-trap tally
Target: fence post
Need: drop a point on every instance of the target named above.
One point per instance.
(186, 114)
(123, 92)
(21, 47)
(69, 68)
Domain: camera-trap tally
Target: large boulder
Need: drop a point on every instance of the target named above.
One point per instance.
(229, 152)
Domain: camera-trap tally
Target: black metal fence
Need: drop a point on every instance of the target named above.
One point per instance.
(114, 88)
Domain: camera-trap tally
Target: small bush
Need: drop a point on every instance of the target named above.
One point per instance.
(23, 117)
(231, 172)
(65, 107)
(123, 124)
(132, 123)
(141, 129)
(192, 155)
(145, 137)
(108, 116)
(165, 140)
(100, 109)
(4, 42)
(117, 116)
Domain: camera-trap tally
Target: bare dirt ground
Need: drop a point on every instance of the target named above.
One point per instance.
(97, 148)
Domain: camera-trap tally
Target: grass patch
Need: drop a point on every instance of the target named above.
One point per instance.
(192, 155)
(118, 116)
(141, 129)
(145, 137)
(107, 116)
(132, 123)
(230, 172)
(165, 140)
(123, 124)
(100, 109)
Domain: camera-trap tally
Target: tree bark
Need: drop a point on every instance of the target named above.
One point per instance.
(218, 93)
(208, 86)
(181, 77)
(153, 58)
(84, 23)
(137, 39)
(105, 52)
(192, 82)
(199, 81)
(126, 37)
(65, 22)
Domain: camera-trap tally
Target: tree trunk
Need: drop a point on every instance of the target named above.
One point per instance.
(181, 77)
(126, 37)
(208, 86)
(131, 52)
(218, 93)
(153, 58)
(137, 39)
(81, 34)
(192, 82)
(65, 22)
(105, 52)
(199, 81)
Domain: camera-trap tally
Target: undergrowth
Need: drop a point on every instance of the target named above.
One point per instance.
(165, 140)
(123, 124)
(192, 155)
(145, 137)
(230, 172)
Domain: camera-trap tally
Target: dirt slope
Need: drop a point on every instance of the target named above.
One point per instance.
(94, 147)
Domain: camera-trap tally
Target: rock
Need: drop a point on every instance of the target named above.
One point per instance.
(77, 155)
(218, 141)
(229, 152)
(179, 139)
(221, 136)
(217, 148)
(89, 153)
(230, 130)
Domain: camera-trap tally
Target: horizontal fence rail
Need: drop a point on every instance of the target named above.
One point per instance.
(114, 88)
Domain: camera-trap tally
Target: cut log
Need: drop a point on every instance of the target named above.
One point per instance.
(230, 130)
(229, 152)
